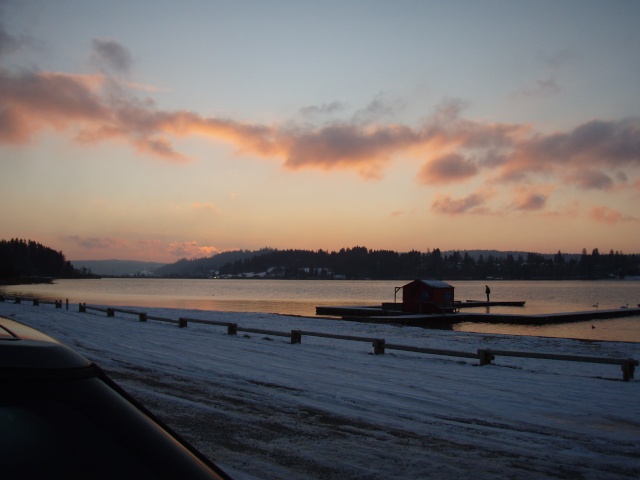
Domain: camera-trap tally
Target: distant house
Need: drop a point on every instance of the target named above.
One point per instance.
(426, 296)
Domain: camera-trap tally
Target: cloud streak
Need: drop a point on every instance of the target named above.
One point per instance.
(543, 88)
(471, 204)
(160, 250)
(95, 243)
(609, 216)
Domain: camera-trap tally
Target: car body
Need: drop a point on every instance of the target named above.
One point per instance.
(61, 416)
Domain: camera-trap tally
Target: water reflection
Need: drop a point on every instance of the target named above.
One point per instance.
(622, 329)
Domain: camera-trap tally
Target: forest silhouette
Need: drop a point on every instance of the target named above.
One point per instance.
(27, 260)
(362, 263)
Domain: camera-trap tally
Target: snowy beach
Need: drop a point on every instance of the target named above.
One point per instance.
(326, 408)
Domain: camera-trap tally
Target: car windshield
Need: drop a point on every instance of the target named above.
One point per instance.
(83, 429)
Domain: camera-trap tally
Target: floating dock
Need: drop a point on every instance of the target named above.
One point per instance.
(484, 303)
(372, 314)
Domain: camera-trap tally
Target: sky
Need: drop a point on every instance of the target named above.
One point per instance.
(158, 130)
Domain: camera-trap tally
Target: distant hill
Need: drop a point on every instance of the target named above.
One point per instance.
(117, 267)
(202, 267)
(360, 262)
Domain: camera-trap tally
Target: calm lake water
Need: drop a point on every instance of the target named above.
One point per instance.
(295, 297)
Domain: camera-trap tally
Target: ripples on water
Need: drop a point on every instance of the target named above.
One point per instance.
(293, 297)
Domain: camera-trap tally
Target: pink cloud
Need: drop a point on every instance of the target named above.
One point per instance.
(596, 145)
(474, 203)
(603, 214)
(589, 179)
(158, 250)
(533, 201)
(190, 250)
(532, 198)
(447, 169)
(346, 146)
(95, 243)
(32, 101)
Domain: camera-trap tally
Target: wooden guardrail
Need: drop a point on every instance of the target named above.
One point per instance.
(110, 311)
(485, 356)
(627, 365)
(35, 301)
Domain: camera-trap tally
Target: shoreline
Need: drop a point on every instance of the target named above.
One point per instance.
(429, 322)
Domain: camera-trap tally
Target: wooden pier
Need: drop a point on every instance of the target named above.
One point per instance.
(380, 315)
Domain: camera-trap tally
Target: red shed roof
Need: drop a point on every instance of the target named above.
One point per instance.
(433, 283)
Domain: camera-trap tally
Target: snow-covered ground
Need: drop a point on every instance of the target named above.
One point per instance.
(263, 408)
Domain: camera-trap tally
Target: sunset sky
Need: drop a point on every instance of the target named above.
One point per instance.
(156, 130)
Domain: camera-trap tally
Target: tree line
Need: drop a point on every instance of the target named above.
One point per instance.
(361, 263)
(25, 259)
(21, 260)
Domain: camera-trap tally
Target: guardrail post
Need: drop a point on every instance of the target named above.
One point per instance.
(182, 322)
(296, 336)
(110, 312)
(485, 357)
(82, 308)
(142, 317)
(36, 302)
(67, 304)
(378, 346)
(628, 369)
(232, 329)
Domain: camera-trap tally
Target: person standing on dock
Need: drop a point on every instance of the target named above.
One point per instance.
(487, 290)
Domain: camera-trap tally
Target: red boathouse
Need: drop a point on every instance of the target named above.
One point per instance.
(426, 296)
